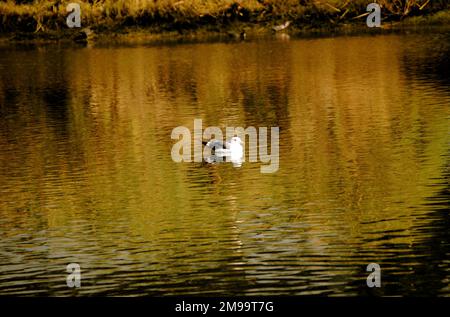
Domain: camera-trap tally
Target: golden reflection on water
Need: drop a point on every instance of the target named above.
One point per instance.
(87, 177)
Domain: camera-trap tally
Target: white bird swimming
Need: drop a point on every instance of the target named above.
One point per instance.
(232, 150)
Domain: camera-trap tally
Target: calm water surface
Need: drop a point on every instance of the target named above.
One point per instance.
(86, 174)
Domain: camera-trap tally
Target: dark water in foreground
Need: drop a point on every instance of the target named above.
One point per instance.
(86, 174)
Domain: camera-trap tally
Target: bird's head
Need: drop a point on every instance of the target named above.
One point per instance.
(236, 140)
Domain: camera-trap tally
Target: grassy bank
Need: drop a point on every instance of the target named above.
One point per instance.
(40, 18)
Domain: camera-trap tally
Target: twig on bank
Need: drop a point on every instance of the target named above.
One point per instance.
(343, 15)
(423, 5)
(334, 8)
(345, 4)
(361, 15)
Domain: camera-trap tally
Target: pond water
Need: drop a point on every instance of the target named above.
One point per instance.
(86, 174)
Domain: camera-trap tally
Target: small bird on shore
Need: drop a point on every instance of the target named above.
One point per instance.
(84, 36)
(281, 27)
(238, 35)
